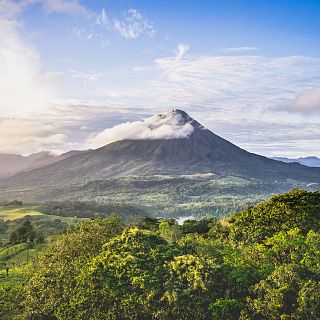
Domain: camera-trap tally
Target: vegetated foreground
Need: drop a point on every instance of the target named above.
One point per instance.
(261, 263)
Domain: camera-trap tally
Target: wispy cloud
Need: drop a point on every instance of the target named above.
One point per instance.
(102, 18)
(133, 25)
(25, 135)
(67, 6)
(182, 50)
(90, 33)
(240, 49)
(88, 75)
(306, 102)
(11, 8)
(234, 82)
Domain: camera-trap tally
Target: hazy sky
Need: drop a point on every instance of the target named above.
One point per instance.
(247, 70)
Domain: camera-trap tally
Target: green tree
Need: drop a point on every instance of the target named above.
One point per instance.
(51, 286)
(125, 281)
(170, 232)
(226, 309)
(276, 296)
(298, 208)
(308, 301)
(192, 284)
(22, 234)
(196, 226)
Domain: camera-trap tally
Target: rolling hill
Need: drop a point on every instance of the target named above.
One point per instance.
(11, 164)
(306, 161)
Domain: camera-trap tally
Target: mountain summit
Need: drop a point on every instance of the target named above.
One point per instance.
(171, 125)
(170, 144)
(175, 118)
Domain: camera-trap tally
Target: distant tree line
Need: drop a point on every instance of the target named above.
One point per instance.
(15, 203)
(90, 209)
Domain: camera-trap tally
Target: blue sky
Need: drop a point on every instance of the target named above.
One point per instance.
(247, 70)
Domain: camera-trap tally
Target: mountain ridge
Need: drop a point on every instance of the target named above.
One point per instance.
(310, 161)
(11, 164)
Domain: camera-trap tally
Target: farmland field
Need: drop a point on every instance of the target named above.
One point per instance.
(13, 213)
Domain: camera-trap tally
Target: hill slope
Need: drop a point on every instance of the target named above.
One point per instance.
(11, 164)
(306, 161)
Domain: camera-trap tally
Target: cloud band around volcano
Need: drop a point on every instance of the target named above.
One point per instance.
(170, 125)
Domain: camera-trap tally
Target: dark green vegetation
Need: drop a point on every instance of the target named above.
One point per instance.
(198, 195)
(21, 239)
(261, 263)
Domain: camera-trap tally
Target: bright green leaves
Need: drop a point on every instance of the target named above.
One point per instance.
(52, 283)
(192, 283)
(297, 208)
(126, 280)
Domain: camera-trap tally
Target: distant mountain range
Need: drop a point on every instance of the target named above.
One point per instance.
(199, 151)
(306, 161)
(10, 164)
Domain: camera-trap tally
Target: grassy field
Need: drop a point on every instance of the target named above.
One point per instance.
(13, 213)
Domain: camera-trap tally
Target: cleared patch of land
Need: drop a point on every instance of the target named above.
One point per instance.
(13, 213)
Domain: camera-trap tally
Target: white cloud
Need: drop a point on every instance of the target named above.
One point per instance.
(133, 25)
(9, 8)
(253, 83)
(66, 6)
(28, 135)
(102, 18)
(306, 102)
(163, 126)
(89, 75)
(238, 96)
(88, 34)
(182, 50)
(240, 49)
(26, 93)
(24, 88)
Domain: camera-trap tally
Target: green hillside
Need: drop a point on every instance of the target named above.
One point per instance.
(260, 263)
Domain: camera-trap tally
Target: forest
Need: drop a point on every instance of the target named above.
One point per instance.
(260, 263)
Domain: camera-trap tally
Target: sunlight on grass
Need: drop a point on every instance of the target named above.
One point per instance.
(16, 213)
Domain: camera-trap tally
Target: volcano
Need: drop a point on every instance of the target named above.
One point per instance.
(172, 143)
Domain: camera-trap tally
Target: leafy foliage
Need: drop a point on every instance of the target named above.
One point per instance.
(25, 233)
(261, 264)
(297, 208)
(54, 279)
